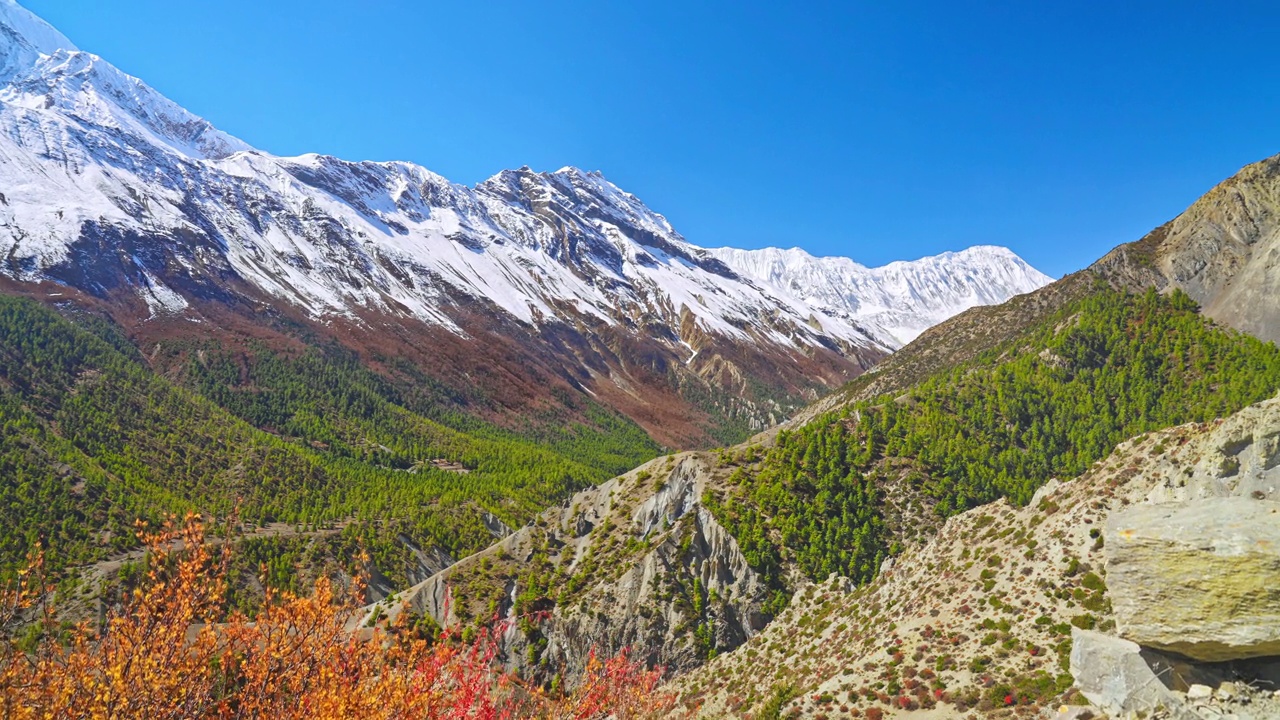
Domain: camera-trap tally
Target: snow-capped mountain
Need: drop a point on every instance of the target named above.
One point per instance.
(896, 302)
(110, 189)
(87, 150)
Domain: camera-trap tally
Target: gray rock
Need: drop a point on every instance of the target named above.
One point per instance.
(623, 609)
(1071, 713)
(1045, 491)
(1199, 692)
(1227, 691)
(1112, 674)
(1200, 578)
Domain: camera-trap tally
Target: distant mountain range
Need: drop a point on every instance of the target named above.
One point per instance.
(897, 302)
(115, 192)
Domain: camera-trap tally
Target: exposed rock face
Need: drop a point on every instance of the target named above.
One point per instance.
(1112, 674)
(1224, 252)
(651, 570)
(1201, 579)
(1243, 460)
(701, 551)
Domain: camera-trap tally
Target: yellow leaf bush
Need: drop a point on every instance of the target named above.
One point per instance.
(167, 655)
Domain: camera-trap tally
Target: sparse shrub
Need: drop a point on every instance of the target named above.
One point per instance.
(1085, 622)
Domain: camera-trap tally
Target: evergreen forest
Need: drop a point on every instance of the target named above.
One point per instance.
(1108, 367)
(93, 440)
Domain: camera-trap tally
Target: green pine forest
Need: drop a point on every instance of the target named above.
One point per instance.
(1106, 368)
(93, 440)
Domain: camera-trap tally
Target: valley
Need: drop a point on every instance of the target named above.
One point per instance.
(190, 324)
(690, 556)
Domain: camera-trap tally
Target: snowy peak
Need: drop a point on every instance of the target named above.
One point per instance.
(46, 71)
(587, 195)
(91, 90)
(24, 38)
(898, 301)
(113, 190)
(636, 232)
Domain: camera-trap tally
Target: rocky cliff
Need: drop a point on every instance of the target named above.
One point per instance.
(1223, 251)
(647, 568)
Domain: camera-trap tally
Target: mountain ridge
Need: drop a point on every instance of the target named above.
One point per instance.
(1221, 251)
(689, 555)
(539, 290)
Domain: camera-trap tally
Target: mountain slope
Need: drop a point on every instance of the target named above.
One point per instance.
(689, 556)
(178, 230)
(1221, 251)
(686, 557)
(328, 331)
(981, 617)
(92, 440)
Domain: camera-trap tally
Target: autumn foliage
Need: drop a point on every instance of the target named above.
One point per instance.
(163, 656)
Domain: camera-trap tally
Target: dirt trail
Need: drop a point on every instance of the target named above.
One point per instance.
(98, 571)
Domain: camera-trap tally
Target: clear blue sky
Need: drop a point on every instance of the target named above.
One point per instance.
(881, 131)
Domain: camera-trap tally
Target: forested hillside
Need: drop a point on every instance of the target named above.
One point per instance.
(328, 398)
(1108, 367)
(93, 439)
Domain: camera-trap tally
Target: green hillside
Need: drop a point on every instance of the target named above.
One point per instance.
(1049, 404)
(93, 439)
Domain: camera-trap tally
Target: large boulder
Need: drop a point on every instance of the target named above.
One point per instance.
(1201, 579)
(1113, 675)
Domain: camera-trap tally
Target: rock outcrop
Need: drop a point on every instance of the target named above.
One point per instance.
(636, 562)
(1201, 579)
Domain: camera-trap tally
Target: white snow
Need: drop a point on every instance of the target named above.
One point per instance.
(898, 301)
(160, 298)
(24, 38)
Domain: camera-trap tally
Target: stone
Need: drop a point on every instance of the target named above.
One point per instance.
(1112, 674)
(1067, 712)
(1199, 692)
(1198, 578)
(1047, 489)
(1227, 691)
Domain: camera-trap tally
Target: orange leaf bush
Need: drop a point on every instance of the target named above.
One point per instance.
(164, 655)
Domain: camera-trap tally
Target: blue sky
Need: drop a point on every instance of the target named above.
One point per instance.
(879, 130)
